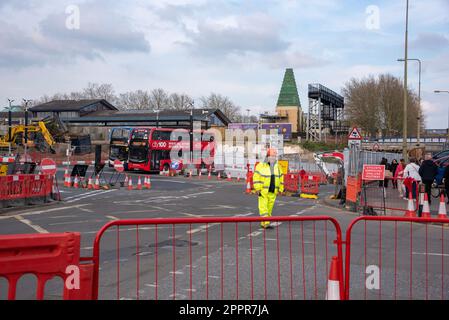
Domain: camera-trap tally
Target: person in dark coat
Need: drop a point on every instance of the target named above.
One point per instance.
(384, 183)
(393, 167)
(428, 171)
(446, 182)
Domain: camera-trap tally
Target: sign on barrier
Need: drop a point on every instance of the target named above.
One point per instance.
(373, 172)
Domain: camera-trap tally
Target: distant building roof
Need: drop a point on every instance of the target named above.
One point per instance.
(69, 105)
(289, 92)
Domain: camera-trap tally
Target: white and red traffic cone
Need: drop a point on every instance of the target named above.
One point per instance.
(76, 184)
(126, 180)
(66, 178)
(210, 175)
(229, 177)
(68, 182)
(442, 211)
(90, 185)
(149, 183)
(410, 213)
(130, 184)
(333, 283)
(200, 175)
(190, 174)
(248, 187)
(238, 177)
(139, 184)
(426, 207)
(219, 176)
(97, 183)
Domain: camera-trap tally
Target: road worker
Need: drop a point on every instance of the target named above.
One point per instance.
(268, 182)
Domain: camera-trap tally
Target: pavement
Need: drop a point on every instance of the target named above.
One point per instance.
(231, 261)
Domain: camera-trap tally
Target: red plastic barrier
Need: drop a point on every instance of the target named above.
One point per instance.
(310, 185)
(44, 255)
(15, 187)
(291, 182)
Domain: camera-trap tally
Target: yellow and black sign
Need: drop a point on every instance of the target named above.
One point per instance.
(284, 166)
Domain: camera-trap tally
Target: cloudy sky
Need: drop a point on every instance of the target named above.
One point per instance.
(239, 48)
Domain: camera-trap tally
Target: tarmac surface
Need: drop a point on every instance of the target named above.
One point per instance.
(232, 261)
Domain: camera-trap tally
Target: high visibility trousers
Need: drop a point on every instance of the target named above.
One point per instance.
(266, 205)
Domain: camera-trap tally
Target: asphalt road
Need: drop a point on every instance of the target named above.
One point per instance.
(230, 261)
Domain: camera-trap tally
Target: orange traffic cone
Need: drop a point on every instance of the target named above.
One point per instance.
(333, 283)
(200, 175)
(126, 180)
(442, 211)
(219, 176)
(149, 183)
(229, 177)
(76, 183)
(190, 174)
(139, 184)
(426, 207)
(238, 177)
(248, 187)
(130, 184)
(66, 178)
(410, 213)
(209, 176)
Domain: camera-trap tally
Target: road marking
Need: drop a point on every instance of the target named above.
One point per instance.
(430, 254)
(83, 194)
(30, 224)
(73, 222)
(32, 213)
(91, 195)
(87, 248)
(112, 218)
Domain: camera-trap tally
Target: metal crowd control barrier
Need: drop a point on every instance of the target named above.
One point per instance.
(384, 197)
(193, 258)
(45, 256)
(373, 261)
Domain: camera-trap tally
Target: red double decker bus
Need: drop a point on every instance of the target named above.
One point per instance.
(150, 148)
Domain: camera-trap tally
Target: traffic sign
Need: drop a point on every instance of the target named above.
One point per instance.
(48, 166)
(355, 135)
(373, 172)
(118, 166)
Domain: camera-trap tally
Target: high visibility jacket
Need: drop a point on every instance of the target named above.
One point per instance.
(262, 178)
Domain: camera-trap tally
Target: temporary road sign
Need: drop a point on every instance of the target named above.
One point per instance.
(355, 135)
(284, 166)
(48, 166)
(118, 166)
(373, 172)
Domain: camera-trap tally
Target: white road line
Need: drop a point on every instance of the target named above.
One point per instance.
(83, 194)
(70, 222)
(32, 213)
(89, 196)
(112, 218)
(30, 224)
(431, 254)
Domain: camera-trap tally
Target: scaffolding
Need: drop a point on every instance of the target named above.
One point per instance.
(326, 113)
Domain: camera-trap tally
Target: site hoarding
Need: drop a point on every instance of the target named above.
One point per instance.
(284, 129)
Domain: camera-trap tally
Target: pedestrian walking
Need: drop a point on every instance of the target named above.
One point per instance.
(268, 182)
(393, 168)
(399, 177)
(428, 171)
(412, 178)
(384, 183)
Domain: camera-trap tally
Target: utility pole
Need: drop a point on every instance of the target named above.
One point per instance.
(419, 98)
(26, 127)
(405, 118)
(10, 126)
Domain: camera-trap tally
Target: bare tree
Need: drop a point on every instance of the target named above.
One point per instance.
(135, 100)
(99, 91)
(375, 104)
(180, 102)
(159, 99)
(217, 101)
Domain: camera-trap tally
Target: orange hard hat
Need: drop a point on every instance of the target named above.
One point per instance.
(272, 152)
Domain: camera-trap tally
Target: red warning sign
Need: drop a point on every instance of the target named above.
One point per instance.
(373, 172)
(355, 135)
(48, 166)
(118, 166)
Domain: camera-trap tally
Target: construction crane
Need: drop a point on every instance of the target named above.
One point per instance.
(38, 137)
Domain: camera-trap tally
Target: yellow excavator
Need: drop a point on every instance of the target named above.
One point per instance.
(39, 137)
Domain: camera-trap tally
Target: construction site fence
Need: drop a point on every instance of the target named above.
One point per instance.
(25, 189)
(390, 196)
(358, 158)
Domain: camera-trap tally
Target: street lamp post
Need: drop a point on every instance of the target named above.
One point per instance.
(26, 128)
(10, 125)
(404, 129)
(419, 98)
(445, 91)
